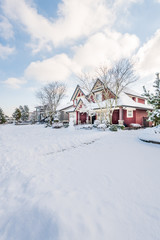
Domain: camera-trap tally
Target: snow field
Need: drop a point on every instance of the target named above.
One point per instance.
(151, 134)
(84, 184)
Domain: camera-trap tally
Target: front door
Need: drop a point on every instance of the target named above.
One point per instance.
(83, 117)
(93, 119)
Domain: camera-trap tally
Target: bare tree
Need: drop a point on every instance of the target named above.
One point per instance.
(114, 81)
(50, 96)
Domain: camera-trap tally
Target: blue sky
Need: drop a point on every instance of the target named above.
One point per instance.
(42, 41)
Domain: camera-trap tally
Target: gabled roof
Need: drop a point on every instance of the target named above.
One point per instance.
(132, 92)
(123, 101)
(108, 89)
(84, 101)
(76, 91)
(65, 107)
(77, 87)
(98, 80)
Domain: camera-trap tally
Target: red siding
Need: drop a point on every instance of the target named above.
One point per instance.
(83, 117)
(140, 100)
(103, 96)
(115, 117)
(91, 98)
(128, 121)
(139, 116)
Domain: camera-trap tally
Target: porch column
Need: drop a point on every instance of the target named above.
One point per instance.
(79, 118)
(120, 121)
(87, 118)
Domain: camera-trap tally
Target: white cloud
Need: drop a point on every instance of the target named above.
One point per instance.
(104, 48)
(76, 19)
(15, 82)
(5, 51)
(6, 30)
(125, 4)
(148, 56)
(57, 68)
(100, 48)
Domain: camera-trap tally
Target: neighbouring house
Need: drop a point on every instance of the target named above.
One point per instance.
(41, 113)
(131, 106)
(63, 112)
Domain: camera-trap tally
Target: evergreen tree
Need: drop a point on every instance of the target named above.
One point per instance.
(17, 114)
(2, 116)
(24, 112)
(154, 99)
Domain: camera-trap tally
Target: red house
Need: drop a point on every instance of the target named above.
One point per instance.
(131, 107)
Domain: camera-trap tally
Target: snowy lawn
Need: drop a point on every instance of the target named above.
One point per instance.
(57, 184)
(151, 135)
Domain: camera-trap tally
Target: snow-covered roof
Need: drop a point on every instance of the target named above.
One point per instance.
(66, 106)
(70, 109)
(132, 92)
(84, 91)
(125, 100)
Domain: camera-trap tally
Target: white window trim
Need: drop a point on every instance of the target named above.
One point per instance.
(129, 113)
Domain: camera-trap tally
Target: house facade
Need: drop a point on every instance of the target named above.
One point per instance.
(129, 107)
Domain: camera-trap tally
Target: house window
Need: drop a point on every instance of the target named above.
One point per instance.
(129, 113)
(99, 96)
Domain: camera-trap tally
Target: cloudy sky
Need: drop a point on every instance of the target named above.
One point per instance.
(46, 40)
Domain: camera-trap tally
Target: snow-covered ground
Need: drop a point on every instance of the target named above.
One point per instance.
(59, 184)
(151, 134)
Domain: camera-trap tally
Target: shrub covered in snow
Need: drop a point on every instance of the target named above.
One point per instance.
(57, 124)
(87, 126)
(102, 126)
(65, 124)
(113, 128)
(122, 127)
(84, 126)
(106, 123)
(96, 123)
(135, 125)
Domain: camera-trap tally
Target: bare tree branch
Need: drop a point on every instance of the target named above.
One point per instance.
(51, 96)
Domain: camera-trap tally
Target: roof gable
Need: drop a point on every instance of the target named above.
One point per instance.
(98, 85)
(80, 102)
(77, 92)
